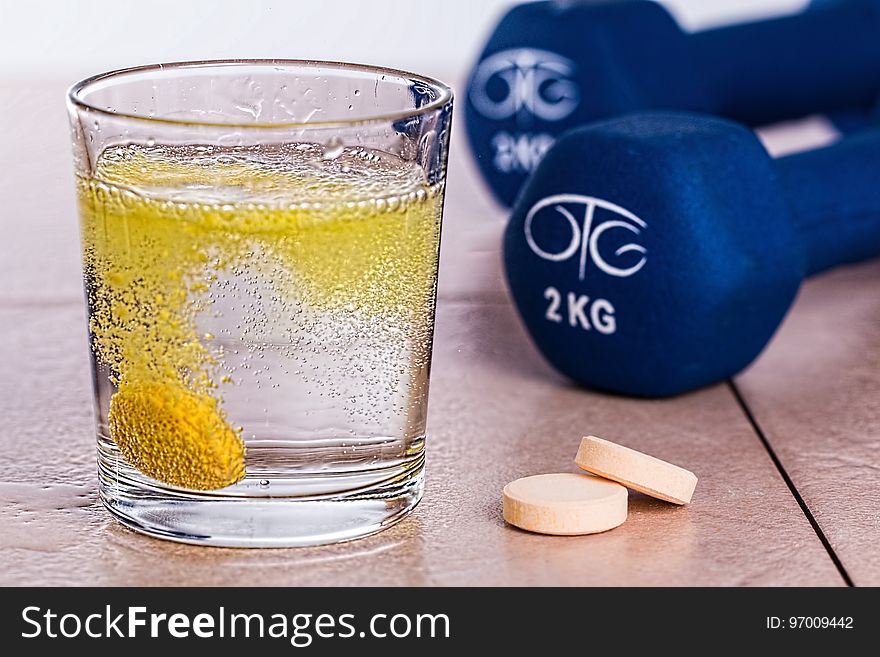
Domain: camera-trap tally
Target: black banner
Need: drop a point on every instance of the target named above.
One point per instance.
(433, 621)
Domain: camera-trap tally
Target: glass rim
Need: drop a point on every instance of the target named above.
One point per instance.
(445, 93)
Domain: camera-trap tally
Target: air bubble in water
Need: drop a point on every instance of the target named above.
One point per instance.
(333, 149)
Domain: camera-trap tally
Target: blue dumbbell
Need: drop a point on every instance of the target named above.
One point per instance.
(552, 66)
(658, 252)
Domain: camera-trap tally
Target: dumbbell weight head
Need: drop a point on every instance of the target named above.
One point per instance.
(653, 253)
(551, 66)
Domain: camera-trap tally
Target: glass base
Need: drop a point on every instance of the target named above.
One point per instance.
(238, 521)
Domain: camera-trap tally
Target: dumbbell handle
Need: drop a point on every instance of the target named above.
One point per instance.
(824, 58)
(834, 195)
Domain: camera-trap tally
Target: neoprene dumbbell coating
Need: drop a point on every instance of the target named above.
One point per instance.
(552, 66)
(655, 253)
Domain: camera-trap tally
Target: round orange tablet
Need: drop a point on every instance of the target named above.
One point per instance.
(636, 470)
(564, 504)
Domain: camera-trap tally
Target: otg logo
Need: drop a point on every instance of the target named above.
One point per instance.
(585, 233)
(525, 81)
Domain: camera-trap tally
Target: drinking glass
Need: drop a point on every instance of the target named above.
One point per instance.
(260, 245)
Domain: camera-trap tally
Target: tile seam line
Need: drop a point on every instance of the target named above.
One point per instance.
(790, 483)
(24, 303)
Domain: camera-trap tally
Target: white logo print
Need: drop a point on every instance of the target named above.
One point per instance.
(520, 152)
(533, 82)
(585, 235)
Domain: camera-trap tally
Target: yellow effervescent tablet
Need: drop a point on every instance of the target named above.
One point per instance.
(636, 470)
(175, 436)
(566, 504)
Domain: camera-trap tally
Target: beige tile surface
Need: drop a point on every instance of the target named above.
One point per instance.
(40, 260)
(815, 393)
(497, 413)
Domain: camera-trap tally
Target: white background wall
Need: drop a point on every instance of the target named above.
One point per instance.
(69, 39)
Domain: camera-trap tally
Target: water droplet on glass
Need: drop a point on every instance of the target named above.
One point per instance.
(264, 483)
(151, 142)
(357, 92)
